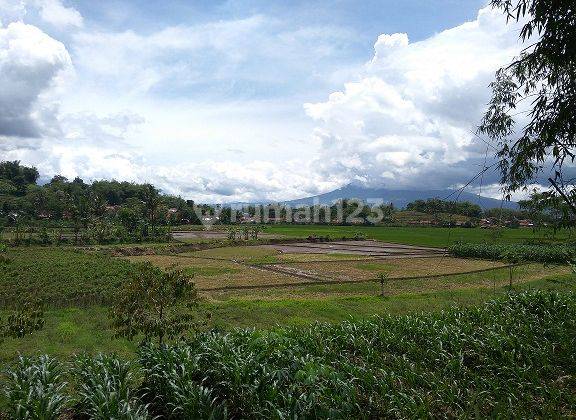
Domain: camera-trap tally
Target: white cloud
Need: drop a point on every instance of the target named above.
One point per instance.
(407, 121)
(55, 13)
(11, 10)
(31, 64)
(248, 53)
(404, 122)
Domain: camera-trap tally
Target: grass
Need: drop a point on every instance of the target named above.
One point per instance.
(422, 236)
(374, 267)
(71, 331)
(209, 274)
(394, 267)
(490, 280)
(209, 271)
(511, 357)
(241, 253)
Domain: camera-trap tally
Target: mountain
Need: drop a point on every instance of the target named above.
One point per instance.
(400, 198)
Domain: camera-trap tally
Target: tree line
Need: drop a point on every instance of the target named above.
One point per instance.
(113, 211)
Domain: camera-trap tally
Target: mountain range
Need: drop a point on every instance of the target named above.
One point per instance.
(400, 198)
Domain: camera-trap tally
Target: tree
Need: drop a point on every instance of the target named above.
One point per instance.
(152, 201)
(18, 176)
(542, 78)
(513, 258)
(155, 303)
(130, 215)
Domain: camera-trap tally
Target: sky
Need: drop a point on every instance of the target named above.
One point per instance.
(244, 100)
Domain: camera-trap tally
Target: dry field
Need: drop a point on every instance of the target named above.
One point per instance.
(348, 267)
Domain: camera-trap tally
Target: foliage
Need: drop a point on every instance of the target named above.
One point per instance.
(28, 318)
(542, 77)
(35, 389)
(435, 205)
(106, 389)
(508, 358)
(101, 212)
(547, 254)
(61, 277)
(154, 303)
(501, 360)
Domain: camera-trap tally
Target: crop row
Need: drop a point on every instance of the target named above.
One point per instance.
(60, 277)
(508, 358)
(547, 254)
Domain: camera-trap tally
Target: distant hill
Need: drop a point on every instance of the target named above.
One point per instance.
(400, 198)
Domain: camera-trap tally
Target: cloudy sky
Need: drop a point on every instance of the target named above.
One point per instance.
(248, 99)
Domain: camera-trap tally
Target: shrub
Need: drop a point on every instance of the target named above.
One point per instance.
(154, 303)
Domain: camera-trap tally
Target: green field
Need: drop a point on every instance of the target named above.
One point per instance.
(72, 330)
(423, 236)
(76, 285)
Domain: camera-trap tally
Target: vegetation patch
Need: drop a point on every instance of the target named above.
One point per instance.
(394, 267)
(209, 271)
(547, 254)
(60, 276)
(507, 358)
(374, 266)
(242, 253)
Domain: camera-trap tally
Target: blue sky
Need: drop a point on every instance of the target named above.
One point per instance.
(242, 99)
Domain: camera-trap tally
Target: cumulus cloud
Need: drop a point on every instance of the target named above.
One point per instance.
(408, 121)
(404, 122)
(11, 10)
(31, 63)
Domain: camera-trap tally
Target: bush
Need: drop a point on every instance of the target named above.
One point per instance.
(547, 254)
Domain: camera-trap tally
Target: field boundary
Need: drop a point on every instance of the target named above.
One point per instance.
(366, 258)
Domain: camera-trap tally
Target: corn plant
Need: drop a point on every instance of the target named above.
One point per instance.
(499, 360)
(105, 387)
(35, 389)
(547, 254)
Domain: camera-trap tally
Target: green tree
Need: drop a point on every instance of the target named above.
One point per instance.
(542, 79)
(130, 217)
(155, 304)
(152, 202)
